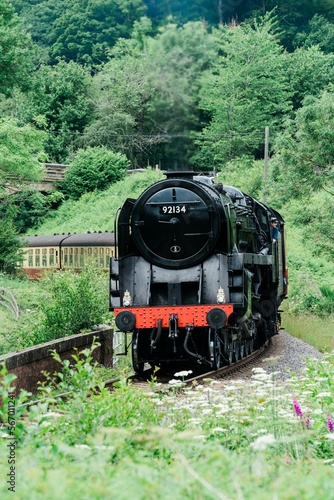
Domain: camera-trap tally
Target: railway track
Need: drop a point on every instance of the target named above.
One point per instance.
(163, 379)
(142, 381)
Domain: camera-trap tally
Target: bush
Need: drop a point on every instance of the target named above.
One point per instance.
(10, 245)
(78, 302)
(93, 168)
(245, 174)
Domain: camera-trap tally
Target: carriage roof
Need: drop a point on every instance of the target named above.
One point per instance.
(97, 238)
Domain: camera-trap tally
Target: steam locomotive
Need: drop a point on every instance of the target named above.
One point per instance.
(198, 277)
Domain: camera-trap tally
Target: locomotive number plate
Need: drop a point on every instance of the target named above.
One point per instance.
(173, 209)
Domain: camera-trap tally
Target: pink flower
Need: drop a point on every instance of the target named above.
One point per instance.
(330, 423)
(297, 408)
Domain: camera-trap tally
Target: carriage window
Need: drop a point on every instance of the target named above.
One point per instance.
(37, 257)
(76, 257)
(30, 258)
(101, 257)
(44, 257)
(51, 257)
(108, 254)
(71, 257)
(65, 252)
(82, 257)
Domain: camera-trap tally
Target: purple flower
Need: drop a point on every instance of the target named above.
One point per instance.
(330, 423)
(307, 422)
(297, 408)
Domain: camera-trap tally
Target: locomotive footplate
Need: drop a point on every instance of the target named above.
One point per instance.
(196, 315)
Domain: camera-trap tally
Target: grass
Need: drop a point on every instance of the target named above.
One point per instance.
(95, 211)
(229, 440)
(312, 329)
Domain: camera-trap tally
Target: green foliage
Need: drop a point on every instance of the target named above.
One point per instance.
(28, 208)
(76, 302)
(246, 90)
(245, 174)
(94, 168)
(11, 408)
(184, 446)
(96, 211)
(58, 102)
(176, 59)
(319, 32)
(123, 92)
(309, 71)
(21, 150)
(17, 50)
(146, 95)
(304, 151)
(10, 246)
(80, 31)
(89, 294)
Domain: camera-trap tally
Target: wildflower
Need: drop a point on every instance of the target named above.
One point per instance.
(184, 373)
(262, 442)
(324, 395)
(297, 409)
(330, 423)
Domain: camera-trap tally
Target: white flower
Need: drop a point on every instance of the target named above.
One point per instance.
(262, 442)
(324, 395)
(175, 383)
(184, 373)
(258, 370)
(51, 414)
(329, 436)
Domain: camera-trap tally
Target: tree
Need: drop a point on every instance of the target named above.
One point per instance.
(28, 208)
(309, 71)
(176, 59)
(304, 156)
(319, 32)
(10, 245)
(16, 50)
(60, 103)
(146, 95)
(292, 15)
(246, 90)
(93, 168)
(122, 95)
(85, 30)
(21, 151)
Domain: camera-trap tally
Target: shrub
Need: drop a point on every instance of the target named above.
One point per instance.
(93, 168)
(77, 303)
(10, 245)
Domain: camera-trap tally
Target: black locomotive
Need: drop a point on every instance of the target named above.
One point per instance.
(198, 276)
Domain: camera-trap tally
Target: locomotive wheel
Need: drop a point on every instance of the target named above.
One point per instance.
(249, 347)
(229, 350)
(137, 366)
(236, 348)
(214, 349)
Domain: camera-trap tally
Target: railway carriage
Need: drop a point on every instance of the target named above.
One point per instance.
(198, 277)
(67, 251)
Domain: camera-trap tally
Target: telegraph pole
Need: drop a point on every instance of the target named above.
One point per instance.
(266, 158)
